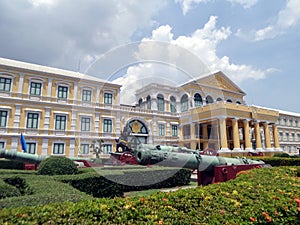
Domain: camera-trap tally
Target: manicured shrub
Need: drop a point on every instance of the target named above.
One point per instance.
(10, 164)
(7, 190)
(19, 183)
(279, 161)
(283, 155)
(258, 196)
(56, 165)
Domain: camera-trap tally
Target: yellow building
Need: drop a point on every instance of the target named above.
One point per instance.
(62, 112)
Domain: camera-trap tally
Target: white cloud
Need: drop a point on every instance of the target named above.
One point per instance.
(286, 18)
(61, 33)
(187, 5)
(200, 48)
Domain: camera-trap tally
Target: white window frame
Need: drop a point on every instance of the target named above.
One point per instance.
(38, 119)
(7, 76)
(173, 130)
(105, 145)
(91, 96)
(111, 99)
(36, 146)
(90, 123)
(62, 84)
(66, 121)
(81, 149)
(59, 143)
(161, 130)
(104, 125)
(7, 118)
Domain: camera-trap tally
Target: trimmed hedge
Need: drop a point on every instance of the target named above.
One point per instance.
(57, 165)
(279, 161)
(40, 190)
(112, 183)
(11, 164)
(258, 196)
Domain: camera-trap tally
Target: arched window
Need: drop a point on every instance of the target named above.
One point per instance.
(238, 102)
(219, 100)
(198, 100)
(173, 107)
(184, 103)
(160, 103)
(209, 99)
(148, 100)
(140, 102)
(228, 100)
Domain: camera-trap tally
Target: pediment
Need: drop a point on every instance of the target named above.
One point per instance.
(220, 81)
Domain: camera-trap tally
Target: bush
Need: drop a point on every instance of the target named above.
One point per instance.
(278, 161)
(43, 190)
(283, 155)
(12, 165)
(19, 183)
(7, 190)
(56, 165)
(258, 196)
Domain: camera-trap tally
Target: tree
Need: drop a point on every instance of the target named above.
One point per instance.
(96, 147)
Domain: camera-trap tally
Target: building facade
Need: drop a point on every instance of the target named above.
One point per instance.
(62, 112)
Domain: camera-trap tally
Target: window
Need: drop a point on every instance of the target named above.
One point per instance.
(62, 92)
(86, 95)
(35, 88)
(210, 100)
(293, 137)
(107, 125)
(31, 148)
(291, 123)
(173, 107)
(281, 136)
(279, 120)
(148, 100)
(2, 144)
(106, 148)
(5, 84)
(84, 149)
(296, 123)
(59, 148)
(186, 131)
(298, 137)
(60, 122)
(161, 130)
(174, 130)
(85, 124)
(287, 136)
(140, 102)
(198, 100)
(107, 98)
(284, 122)
(160, 103)
(3, 118)
(32, 120)
(184, 103)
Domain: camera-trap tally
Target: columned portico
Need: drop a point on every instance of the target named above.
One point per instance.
(267, 136)
(257, 135)
(275, 137)
(247, 135)
(236, 136)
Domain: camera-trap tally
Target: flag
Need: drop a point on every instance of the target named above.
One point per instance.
(23, 143)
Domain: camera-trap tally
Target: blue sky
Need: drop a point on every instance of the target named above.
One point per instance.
(254, 42)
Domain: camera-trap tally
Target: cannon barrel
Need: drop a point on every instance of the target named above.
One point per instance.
(188, 158)
(21, 156)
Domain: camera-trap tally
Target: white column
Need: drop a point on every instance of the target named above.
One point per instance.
(17, 117)
(49, 90)
(45, 147)
(47, 120)
(72, 148)
(21, 82)
(75, 91)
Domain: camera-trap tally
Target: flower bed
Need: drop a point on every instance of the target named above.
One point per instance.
(259, 196)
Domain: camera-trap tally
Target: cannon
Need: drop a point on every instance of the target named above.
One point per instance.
(209, 168)
(31, 161)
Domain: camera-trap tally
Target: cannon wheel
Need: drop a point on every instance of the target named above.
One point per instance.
(128, 158)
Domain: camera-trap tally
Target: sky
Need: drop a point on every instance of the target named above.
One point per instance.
(255, 43)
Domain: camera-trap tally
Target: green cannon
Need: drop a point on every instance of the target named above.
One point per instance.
(185, 158)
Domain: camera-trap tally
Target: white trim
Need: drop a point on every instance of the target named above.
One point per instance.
(58, 142)
(60, 112)
(5, 107)
(33, 110)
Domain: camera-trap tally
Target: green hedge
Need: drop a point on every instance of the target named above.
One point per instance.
(10, 164)
(112, 183)
(279, 161)
(259, 196)
(39, 190)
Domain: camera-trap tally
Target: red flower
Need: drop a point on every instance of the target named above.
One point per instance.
(252, 219)
(142, 199)
(298, 201)
(222, 211)
(165, 199)
(298, 209)
(160, 222)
